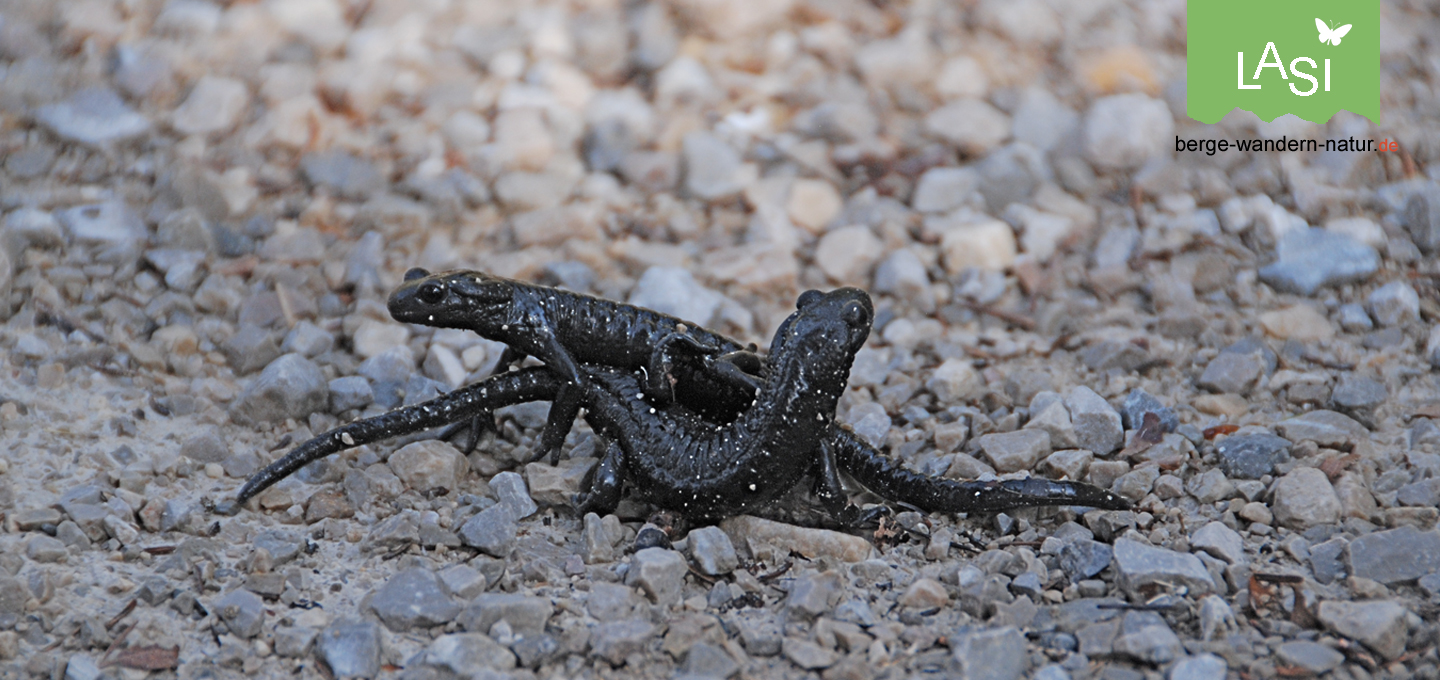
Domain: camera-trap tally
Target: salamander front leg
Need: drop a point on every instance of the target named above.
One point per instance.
(606, 483)
(831, 493)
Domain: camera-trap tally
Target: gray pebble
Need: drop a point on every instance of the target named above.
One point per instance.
(813, 594)
(350, 648)
(1353, 318)
(1204, 666)
(1311, 656)
(1139, 402)
(524, 614)
(350, 392)
(1304, 498)
(943, 189)
(1082, 558)
(112, 227)
(294, 641)
(468, 655)
(712, 551)
(1097, 425)
(348, 175)
(290, 387)
(1394, 303)
(463, 581)
(1312, 258)
(251, 348)
(1141, 566)
(807, 654)
(658, 572)
(1252, 456)
(243, 611)
(1394, 556)
(413, 598)
(43, 548)
(33, 227)
(509, 488)
(1014, 451)
(1220, 541)
(491, 531)
(708, 661)
(872, 424)
(1358, 393)
(206, 447)
(1422, 218)
(95, 116)
(1232, 372)
(81, 667)
(615, 640)
(1146, 637)
(282, 545)
(533, 650)
(610, 601)
(308, 339)
(674, 291)
(1380, 625)
(72, 535)
(1011, 175)
(712, 167)
(1325, 560)
(998, 654)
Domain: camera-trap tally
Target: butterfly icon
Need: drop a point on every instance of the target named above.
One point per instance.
(1331, 35)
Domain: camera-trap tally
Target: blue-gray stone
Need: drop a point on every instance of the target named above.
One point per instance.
(1394, 556)
(346, 174)
(525, 614)
(1082, 558)
(997, 654)
(95, 116)
(290, 387)
(509, 488)
(1325, 560)
(350, 648)
(412, 598)
(1312, 258)
(1314, 657)
(350, 392)
(241, 610)
(491, 531)
(1251, 456)
(1139, 402)
(1422, 218)
(1201, 667)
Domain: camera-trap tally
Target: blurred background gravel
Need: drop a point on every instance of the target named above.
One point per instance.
(205, 205)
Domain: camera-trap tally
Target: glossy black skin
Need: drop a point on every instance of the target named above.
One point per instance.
(682, 361)
(682, 462)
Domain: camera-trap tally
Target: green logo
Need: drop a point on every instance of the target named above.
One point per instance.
(1275, 57)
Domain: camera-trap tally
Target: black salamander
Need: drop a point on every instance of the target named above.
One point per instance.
(683, 362)
(680, 461)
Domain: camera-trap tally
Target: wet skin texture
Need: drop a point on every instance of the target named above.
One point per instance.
(680, 461)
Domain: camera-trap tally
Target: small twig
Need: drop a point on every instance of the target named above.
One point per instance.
(1019, 320)
(1279, 578)
(129, 607)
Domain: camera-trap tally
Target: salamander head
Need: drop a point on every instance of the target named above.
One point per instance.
(453, 299)
(825, 332)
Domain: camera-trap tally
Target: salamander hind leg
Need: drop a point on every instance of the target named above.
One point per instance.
(563, 412)
(604, 484)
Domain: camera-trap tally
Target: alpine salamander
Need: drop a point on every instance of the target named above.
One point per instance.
(680, 461)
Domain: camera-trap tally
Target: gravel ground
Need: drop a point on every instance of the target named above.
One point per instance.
(206, 204)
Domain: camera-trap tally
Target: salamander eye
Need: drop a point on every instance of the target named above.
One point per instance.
(416, 273)
(808, 298)
(855, 315)
(432, 292)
